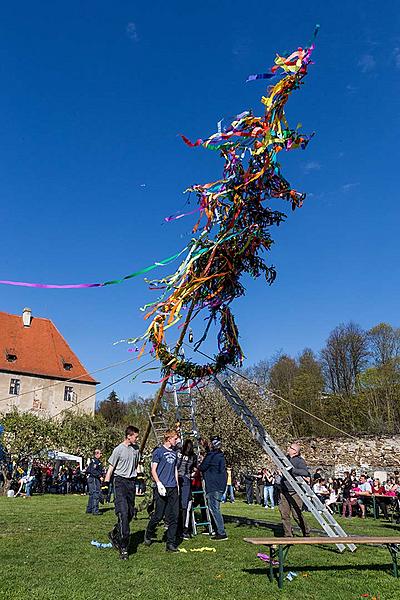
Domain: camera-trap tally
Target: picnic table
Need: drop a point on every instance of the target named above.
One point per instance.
(279, 548)
(375, 498)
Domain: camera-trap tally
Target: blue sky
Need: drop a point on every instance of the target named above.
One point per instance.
(93, 97)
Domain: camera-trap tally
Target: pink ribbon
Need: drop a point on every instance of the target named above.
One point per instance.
(50, 285)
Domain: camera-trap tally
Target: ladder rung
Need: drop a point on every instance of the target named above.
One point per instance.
(316, 508)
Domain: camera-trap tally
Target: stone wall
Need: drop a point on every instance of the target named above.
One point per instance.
(368, 454)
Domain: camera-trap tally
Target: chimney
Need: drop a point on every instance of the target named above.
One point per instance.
(27, 317)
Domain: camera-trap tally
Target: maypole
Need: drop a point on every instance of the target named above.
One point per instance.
(235, 233)
(157, 400)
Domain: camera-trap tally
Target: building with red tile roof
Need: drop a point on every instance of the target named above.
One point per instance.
(38, 369)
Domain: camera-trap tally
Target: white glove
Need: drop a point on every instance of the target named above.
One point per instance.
(161, 489)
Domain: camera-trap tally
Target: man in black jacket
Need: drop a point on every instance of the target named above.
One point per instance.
(290, 503)
(94, 472)
(213, 469)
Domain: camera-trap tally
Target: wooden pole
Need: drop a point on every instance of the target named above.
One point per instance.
(160, 393)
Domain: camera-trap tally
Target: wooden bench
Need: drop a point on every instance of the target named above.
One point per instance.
(279, 548)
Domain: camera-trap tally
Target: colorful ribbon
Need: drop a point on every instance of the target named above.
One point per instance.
(66, 286)
(233, 209)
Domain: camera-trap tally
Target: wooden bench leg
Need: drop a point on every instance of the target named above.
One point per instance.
(282, 554)
(280, 572)
(394, 549)
(279, 553)
(271, 565)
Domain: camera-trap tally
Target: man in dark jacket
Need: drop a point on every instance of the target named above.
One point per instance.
(213, 469)
(249, 485)
(290, 503)
(94, 472)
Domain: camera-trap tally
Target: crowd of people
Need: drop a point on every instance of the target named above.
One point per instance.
(46, 477)
(352, 494)
(349, 495)
(184, 480)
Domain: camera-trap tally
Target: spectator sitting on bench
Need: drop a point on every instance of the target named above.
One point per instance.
(379, 490)
(320, 490)
(391, 487)
(334, 487)
(349, 495)
(364, 490)
(317, 475)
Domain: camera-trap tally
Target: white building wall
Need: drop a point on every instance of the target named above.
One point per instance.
(48, 401)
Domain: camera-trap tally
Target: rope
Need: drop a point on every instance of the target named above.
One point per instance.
(104, 388)
(271, 393)
(64, 381)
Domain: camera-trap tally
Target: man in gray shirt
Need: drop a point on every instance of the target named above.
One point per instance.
(123, 465)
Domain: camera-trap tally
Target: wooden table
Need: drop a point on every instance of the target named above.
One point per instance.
(386, 497)
(279, 548)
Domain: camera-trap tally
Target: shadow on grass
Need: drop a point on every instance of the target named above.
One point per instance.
(392, 526)
(137, 538)
(275, 527)
(263, 571)
(105, 510)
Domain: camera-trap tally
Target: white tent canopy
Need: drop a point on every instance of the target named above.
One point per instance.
(56, 455)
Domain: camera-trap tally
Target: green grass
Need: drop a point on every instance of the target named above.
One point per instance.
(45, 553)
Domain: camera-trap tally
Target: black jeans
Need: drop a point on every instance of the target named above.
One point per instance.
(124, 500)
(249, 493)
(167, 505)
(94, 495)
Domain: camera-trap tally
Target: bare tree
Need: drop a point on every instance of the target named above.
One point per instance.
(384, 342)
(344, 357)
(259, 372)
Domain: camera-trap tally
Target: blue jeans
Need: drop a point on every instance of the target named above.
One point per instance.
(28, 488)
(229, 488)
(214, 505)
(269, 493)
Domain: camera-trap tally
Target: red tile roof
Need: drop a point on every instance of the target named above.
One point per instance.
(40, 350)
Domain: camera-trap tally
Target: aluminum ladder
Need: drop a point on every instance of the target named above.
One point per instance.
(159, 426)
(185, 412)
(185, 409)
(300, 486)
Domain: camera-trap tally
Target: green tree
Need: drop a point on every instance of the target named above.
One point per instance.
(216, 417)
(307, 393)
(112, 409)
(380, 391)
(27, 435)
(81, 433)
(282, 376)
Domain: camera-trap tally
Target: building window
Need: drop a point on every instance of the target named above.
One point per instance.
(11, 357)
(68, 394)
(14, 387)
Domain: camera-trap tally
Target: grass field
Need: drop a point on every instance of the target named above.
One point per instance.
(45, 553)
